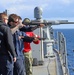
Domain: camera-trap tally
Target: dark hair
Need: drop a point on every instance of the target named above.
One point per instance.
(12, 17)
(19, 18)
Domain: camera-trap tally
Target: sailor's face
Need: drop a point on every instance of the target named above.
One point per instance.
(16, 22)
(20, 21)
(5, 20)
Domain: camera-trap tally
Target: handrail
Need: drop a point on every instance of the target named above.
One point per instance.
(63, 51)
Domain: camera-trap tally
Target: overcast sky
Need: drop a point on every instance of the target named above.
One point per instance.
(52, 9)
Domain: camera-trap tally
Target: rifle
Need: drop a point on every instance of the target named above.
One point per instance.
(46, 22)
(41, 38)
(39, 20)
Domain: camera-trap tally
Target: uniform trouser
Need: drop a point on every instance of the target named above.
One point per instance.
(19, 68)
(6, 65)
(28, 62)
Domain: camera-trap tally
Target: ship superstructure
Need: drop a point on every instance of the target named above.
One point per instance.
(49, 59)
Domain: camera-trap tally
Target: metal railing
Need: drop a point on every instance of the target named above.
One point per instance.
(63, 52)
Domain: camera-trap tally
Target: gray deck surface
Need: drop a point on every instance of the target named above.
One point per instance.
(49, 67)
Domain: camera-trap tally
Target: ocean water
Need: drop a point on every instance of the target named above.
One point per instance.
(69, 35)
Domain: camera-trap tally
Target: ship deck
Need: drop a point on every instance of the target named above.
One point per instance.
(48, 68)
(52, 66)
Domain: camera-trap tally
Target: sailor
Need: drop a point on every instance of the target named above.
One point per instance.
(19, 37)
(7, 49)
(28, 51)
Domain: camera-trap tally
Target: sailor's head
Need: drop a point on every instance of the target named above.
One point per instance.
(4, 18)
(26, 21)
(20, 19)
(13, 20)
